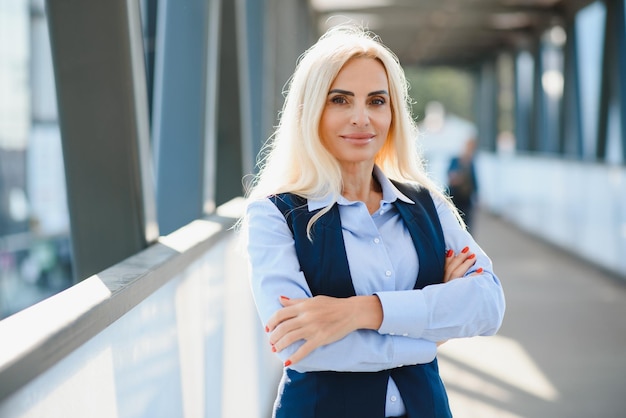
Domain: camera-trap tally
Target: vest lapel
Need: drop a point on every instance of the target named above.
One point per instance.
(422, 221)
(333, 272)
(324, 261)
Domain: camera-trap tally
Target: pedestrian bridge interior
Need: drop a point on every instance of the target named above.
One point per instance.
(130, 128)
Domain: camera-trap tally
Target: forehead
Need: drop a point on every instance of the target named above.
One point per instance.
(362, 72)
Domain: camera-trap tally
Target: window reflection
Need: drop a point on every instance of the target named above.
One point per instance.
(35, 255)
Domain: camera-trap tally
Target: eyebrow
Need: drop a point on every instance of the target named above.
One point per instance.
(349, 93)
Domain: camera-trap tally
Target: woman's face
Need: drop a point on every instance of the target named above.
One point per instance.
(357, 114)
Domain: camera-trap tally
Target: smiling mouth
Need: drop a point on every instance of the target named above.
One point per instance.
(359, 138)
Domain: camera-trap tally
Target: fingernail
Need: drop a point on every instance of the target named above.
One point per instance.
(471, 256)
(267, 329)
(464, 250)
(273, 349)
(449, 253)
(284, 297)
(288, 363)
(479, 270)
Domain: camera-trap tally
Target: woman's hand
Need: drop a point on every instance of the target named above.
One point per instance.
(319, 321)
(457, 265)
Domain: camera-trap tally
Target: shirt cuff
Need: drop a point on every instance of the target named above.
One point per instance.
(404, 313)
(409, 351)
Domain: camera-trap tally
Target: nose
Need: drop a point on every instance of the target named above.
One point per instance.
(360, 116)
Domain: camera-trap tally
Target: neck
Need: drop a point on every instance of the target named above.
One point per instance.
(360, 185)
(357, 180)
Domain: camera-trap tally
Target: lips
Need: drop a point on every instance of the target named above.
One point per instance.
(359, 137)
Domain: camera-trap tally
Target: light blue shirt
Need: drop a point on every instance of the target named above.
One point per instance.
(382, 261)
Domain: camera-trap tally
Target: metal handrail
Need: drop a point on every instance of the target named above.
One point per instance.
(35, 339)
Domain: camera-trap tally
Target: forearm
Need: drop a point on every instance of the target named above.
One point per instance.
(464, 307)
(363, 351)
(320, 321)
(469, 307)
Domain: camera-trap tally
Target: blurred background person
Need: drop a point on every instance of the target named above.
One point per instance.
(462, 183)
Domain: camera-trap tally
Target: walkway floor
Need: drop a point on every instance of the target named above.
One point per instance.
(561, 351)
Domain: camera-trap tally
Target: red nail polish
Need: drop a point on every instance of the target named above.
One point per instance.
(471, 256)
(464, 250)
(273, 349)
(267, 329)
(479, 270)
(288, 363)
(284, 297)
(449, 253)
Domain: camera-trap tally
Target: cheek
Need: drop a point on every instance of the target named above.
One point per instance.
(384, 123)
(323, 131)
(328, 125)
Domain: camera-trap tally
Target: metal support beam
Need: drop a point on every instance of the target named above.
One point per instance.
(613, 90)
(538, 106)
(571, 142)
(486, 101)
(621, 69)
(101, 94)
(181, 109)
(229, 151)
(149, 18)
(251, 47)
(296, 19)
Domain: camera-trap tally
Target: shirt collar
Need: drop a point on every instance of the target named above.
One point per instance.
(390, 194)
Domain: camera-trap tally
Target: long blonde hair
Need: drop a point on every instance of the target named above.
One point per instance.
(295, 160)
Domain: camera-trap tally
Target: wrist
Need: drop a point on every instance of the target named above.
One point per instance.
(367, 312)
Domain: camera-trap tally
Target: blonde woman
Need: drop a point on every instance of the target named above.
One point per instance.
(359, 265)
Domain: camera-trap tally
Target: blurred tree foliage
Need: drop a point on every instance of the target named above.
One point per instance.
(451, 87)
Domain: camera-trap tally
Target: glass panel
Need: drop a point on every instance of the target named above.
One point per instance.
(524, 80)
(35, 256)
(551, 82)
(590, 23)
(613, 135)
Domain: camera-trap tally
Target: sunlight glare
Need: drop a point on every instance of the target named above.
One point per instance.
(190, 235)
(503, 359)
(34, 325)
(464, 406)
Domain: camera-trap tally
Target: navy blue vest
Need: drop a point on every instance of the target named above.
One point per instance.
(325, 265)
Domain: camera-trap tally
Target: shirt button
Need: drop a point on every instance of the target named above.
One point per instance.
(392, 333)
(388, 273)
(376, 240)
(405, 334)
(382, 211)
(393, 399)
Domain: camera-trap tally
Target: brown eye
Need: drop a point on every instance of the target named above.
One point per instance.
(338, 100)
